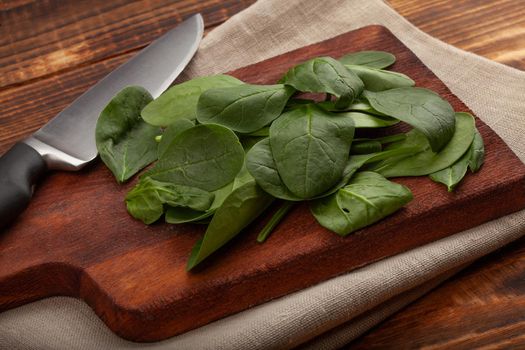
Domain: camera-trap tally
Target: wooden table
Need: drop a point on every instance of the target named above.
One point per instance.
(71, 44)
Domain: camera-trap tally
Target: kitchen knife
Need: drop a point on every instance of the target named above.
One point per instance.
(67, 142)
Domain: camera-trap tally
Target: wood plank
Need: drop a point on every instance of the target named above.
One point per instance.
(494, 29)
(134, 278)
(72, 33)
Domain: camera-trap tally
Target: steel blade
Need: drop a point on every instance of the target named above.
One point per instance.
(68, 141)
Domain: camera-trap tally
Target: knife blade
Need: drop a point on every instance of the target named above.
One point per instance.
(67, 142)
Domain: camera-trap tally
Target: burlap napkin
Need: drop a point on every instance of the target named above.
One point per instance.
(338, 310)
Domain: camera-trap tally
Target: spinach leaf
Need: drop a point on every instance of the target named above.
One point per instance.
(310, 147)
(423, 109)
(364, 106)
(146, 200)
(368, 198)
(426, 161)
(180, 101)
(473, 158)
(364, 120)
(477, 156)
(237, 211)
(452, 175)
(356, 106)
(245, 108)
(171, 132)
(179, 215)
(362, 113)
(355, 162)
(260, 164)
(373, 59)
(324, 74)
(379, 79)
(204, 156)
(126, 144)
(243, 177)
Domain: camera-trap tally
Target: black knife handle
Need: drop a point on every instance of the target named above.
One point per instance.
(20, 168)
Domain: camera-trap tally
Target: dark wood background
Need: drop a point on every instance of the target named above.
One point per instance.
(64, 43)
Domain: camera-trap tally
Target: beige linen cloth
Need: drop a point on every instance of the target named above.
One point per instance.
(334, 312)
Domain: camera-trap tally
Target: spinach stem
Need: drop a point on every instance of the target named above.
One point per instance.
(409, 150)
(328, 97)
(274, 220)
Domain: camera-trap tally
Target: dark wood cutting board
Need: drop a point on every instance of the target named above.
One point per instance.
(77, 239)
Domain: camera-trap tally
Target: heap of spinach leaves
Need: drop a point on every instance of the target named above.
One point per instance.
(225, 150)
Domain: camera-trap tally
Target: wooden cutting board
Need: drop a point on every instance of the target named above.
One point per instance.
(77, 239)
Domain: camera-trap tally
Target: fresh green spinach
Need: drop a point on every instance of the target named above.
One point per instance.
(310, 148)
(261, 165)
(237, 211)
(361, 112)
(426, 161)
(325, 75)
(368, 198)
(179, 215)
(245, 108)
(171, 132)
(146, 200)
(126, 143)
(367, 121)
(255, 143)
(422, 108)
(357, 161)
(472, 159)
(452, 175)
(477, 156)
(361, 106)
(180, 101)
(204, 156)
(379, 79)
(373, 59)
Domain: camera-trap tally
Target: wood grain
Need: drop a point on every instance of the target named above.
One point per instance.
(134, 276)
(88, 31)
(493, 29)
